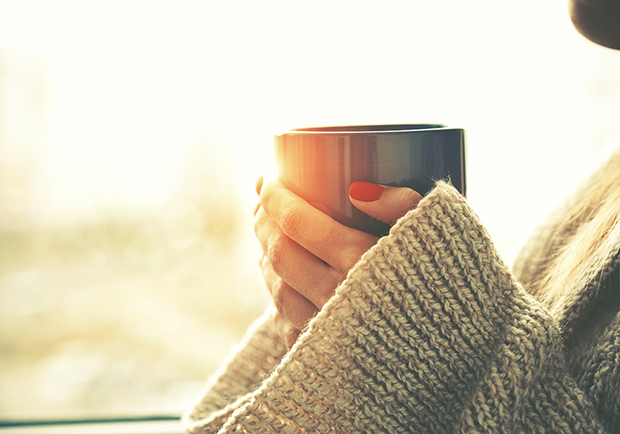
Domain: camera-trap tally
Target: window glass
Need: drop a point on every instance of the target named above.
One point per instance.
(131, 134)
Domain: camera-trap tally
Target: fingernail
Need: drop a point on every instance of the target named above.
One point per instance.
(259, 185)
(365, 191)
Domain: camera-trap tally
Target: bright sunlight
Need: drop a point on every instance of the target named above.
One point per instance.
(132, 132)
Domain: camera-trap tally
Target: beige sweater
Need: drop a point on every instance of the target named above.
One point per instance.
(429, 333)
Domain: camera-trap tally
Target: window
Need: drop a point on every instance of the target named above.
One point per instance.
(131, 134)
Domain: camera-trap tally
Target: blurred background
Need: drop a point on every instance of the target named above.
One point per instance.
(131, 134)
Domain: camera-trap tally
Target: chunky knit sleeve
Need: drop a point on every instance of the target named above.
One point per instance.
(429, 333)
(242, 372)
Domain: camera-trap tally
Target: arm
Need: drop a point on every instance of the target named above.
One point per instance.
(429, 332)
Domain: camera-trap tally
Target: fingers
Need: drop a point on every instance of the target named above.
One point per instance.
(336, 244)
(305, 253)
(383, 202)
(293, 265)
(297, 309)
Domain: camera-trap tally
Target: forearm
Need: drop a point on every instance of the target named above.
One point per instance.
(429, 332)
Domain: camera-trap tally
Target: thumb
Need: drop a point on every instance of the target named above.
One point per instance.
(383, 202)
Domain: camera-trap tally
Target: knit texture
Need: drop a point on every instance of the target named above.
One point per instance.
(429, 333)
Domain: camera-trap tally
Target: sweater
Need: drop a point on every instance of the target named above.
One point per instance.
(430, 332)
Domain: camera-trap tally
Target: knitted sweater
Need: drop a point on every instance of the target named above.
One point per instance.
(429, 333)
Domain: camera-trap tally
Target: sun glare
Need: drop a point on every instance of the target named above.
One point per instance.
(132, 133)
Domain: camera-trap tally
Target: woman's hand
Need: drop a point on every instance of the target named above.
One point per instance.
(306, 253)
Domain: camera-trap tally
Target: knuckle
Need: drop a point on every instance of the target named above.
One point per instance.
(408, 198)
(263, 265)
(279, 295)
(268, 196)
(265, 192)
(276, 252)
(349, 257)
(291, 220)
(259, 221)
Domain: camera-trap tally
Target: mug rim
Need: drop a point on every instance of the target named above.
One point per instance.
(367, 129)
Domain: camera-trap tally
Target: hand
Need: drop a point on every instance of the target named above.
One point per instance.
(306, 253)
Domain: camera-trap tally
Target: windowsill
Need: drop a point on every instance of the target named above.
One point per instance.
(128, 427)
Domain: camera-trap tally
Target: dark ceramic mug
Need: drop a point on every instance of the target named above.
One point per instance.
(319, 164)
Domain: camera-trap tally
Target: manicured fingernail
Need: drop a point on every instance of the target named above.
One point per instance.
(365, 191)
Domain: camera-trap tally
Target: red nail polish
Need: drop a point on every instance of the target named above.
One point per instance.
(365, 191)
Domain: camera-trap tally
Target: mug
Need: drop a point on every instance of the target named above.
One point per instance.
(320, 163)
